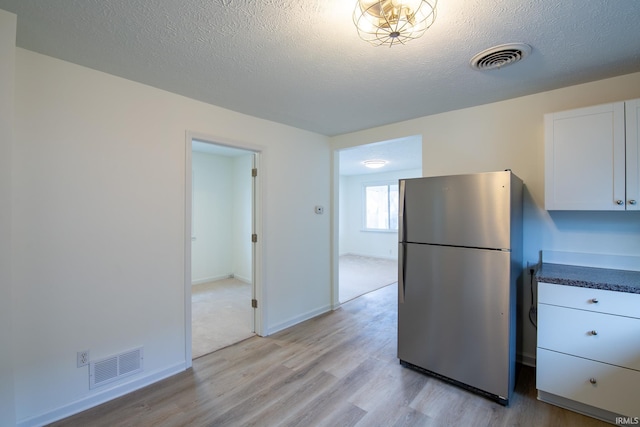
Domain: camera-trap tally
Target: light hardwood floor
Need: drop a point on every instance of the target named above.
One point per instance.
(339, 369)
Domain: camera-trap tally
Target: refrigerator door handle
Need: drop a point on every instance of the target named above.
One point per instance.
(403, 241)
(401, 270)
(401, 226)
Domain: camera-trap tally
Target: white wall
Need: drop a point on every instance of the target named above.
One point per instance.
(221, 217)
(509, 134)
(298, 253)
(353, 238)
(7, 71)
(99, 218)
(211, 251)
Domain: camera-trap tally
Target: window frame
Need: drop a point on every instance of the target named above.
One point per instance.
(388, 184)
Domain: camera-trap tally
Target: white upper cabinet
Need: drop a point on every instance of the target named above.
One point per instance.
(586, 167)
(632, 109)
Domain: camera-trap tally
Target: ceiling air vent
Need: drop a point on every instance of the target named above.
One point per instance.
(500, 56)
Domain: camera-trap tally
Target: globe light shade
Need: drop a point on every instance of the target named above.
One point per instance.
(389, 22)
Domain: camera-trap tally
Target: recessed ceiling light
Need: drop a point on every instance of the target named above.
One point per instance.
(374, 164)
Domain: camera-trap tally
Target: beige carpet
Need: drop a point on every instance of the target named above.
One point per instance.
(221, 315)
(359, 275)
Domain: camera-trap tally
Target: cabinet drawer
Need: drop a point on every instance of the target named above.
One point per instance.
(616, 389)
(567, 330)
(621, 303)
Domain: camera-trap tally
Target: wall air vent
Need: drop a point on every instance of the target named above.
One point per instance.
(113, 368)
(500, 56)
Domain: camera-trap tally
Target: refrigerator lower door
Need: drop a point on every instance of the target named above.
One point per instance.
(457, 318)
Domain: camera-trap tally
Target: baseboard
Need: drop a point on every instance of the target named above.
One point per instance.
(526, 359)
(210, 279)
(101, 397)
(388, 258)
(298, 319)
(583, 409)
(242, 279)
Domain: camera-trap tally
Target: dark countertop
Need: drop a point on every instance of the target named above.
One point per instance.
(590, 277)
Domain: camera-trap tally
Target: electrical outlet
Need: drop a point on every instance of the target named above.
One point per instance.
(82, 358)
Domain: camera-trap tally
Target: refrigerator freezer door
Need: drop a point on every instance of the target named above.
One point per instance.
(455, 318)
(460, 210)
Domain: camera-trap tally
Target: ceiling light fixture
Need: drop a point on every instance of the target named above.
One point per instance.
(393, 21)
(374, 164)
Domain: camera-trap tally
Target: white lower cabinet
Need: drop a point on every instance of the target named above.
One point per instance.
(603, 337)
(593, 383)
(588, 356)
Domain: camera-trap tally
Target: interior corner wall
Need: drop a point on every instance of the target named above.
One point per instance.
(353, 238)
(7, 75)
(212, 236)
(98, 227)
(510, 135)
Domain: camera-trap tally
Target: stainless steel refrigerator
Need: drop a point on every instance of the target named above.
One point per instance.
(460, 254)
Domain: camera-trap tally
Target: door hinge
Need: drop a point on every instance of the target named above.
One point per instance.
(254, 303)
(254, 172)
(254, 238)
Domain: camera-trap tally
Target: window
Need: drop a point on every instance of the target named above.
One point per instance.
(381, 206)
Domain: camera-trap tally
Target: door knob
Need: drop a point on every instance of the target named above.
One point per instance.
(594, 332)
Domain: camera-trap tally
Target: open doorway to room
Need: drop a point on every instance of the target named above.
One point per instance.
(222, 260)
(368, 212)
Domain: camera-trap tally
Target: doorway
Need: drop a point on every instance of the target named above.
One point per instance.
(367, 200)
(221, 258)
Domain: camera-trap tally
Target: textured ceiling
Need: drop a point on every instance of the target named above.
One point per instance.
(300, 62)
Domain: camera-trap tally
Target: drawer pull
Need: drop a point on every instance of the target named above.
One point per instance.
(594, 332)
(594, 300)
(592, 380)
